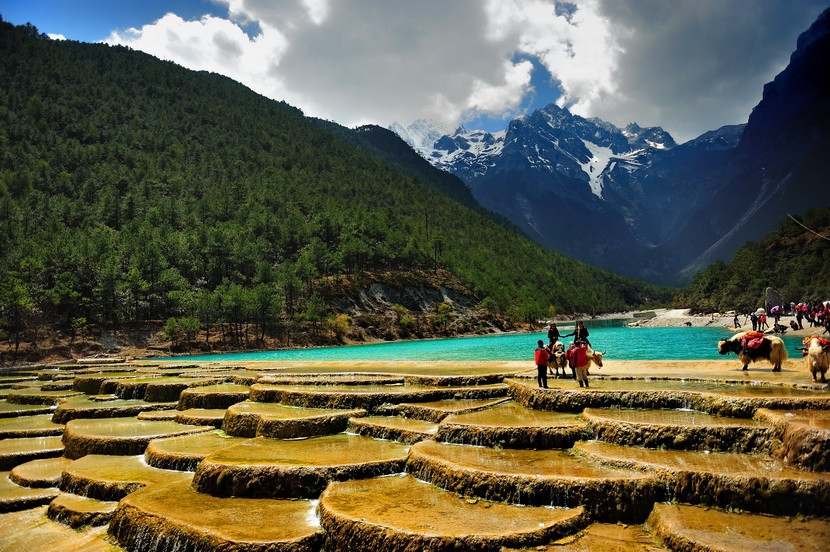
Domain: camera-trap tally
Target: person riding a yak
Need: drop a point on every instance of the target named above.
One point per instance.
(580, 333)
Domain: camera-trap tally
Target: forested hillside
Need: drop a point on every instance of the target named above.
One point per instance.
(792, 260)
(388, 147)
(133, 190)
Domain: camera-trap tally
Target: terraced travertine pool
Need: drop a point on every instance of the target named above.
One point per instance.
(423, 456)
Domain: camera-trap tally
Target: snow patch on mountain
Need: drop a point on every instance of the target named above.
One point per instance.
(600, 157)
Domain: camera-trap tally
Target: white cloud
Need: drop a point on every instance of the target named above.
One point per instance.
(212, 44)
(352, 62)
(688, 65)
(496, 99)
(54, 36)
(576, 47)
(317, 10)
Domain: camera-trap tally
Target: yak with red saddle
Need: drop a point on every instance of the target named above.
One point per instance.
(754, 346)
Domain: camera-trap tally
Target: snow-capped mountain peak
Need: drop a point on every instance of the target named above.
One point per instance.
(421, 134)
(653, 137)
(466, 152)
(550, 140)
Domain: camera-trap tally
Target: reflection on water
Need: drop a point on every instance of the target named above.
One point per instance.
(622, 343)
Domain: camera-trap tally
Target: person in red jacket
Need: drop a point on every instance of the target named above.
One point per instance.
(578, 358)
(541, 357)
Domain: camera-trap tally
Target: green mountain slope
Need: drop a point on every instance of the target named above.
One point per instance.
(132, 189)
(388, 147)
(792, 260)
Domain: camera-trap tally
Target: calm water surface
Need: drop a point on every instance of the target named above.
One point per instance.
(622, 343)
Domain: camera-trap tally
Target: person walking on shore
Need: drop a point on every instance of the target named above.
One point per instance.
(541, 358)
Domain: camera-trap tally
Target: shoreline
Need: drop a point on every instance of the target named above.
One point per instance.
(663, 318)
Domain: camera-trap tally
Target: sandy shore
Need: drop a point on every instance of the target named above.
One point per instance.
(678, 318)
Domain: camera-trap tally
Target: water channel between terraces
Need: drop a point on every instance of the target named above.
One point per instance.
(406, 455)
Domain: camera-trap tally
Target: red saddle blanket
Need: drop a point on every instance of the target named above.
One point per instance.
(752, 340)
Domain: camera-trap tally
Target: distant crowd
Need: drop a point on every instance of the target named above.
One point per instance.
(816, 314)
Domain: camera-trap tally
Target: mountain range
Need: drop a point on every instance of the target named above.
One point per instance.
(633, 201)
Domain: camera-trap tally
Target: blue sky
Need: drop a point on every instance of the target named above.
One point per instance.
(94, 20)
(544, 91)
(687, 65)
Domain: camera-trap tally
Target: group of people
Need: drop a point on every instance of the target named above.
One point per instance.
(546, 355)
(817, 315)
(758, 320)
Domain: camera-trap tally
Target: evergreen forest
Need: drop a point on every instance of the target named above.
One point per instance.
(134, 192)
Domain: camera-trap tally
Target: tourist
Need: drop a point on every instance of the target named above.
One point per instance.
(736, 322)
(799, 315)
(754, 319)
(569, 358)
(541, 357)
(553, 334)
(762, 323)
(578, 360)
(580, 334)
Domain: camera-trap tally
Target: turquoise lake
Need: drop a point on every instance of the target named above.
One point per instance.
(621, 343)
